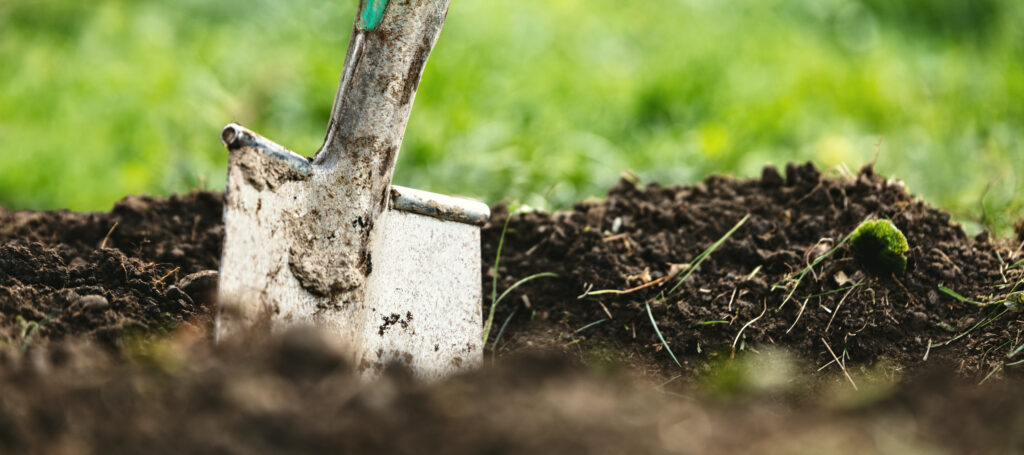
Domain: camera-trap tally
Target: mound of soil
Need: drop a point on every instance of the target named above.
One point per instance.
(150, 264)
(640, 240)
(105, 322)
(147, 265)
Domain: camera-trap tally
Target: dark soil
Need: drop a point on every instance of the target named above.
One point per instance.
(793, 220)
(141, 267)
(295, 394)
(105, 318)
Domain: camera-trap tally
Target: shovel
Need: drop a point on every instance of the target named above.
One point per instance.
(328, 241)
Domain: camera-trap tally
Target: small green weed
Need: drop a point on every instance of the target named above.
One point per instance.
(495, 298)
(29, 329)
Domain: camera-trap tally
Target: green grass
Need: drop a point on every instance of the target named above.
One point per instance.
(793, 281)
(699, 259)
(658, 332)
(540, 101)
(495, 298)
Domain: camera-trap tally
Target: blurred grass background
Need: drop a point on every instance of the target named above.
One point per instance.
(541, 101)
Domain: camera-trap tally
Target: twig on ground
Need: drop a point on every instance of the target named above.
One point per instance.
(589, 293)
(798, 314)
(753, 273)
(948, 260)
(103, 244)
(830, 362)
(161, 280)
(842, 365)
(737, 339)
(990, 373)
(909, 295)
(803, 273)
(673, 378)
(836, 311)
(983, 323)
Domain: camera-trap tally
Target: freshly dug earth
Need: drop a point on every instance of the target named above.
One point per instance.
(638, 235)
(295, 394)
(106, 322)
(137, 269)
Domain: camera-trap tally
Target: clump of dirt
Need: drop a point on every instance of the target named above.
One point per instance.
(297, 393)
(639, 240)
(147, 265)
(184, 232)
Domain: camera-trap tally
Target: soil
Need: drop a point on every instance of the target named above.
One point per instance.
(105, 318)
(140, 268)
(639, 234)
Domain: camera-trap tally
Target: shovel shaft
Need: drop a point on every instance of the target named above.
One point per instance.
(352, 171)
(387, 52)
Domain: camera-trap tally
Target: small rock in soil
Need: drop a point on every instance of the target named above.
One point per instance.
(93, 303)
(200, 286)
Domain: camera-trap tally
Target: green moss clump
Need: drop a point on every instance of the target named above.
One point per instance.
(880, 246)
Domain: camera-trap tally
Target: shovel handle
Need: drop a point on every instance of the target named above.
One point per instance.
(390, 43)
(372, 13)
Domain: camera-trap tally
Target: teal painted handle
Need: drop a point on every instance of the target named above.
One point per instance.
(373, 12)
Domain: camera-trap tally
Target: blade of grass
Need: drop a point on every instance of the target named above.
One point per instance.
(1016, 351)
(836, 291)
(503, 325)
(817, 261)
(990, 373)
(494, 304)
(961, 298)
(753, 273)
(497, 260)
(983, 323)
(708, 323)
(590, 325)
(704, 255)
(658, 332)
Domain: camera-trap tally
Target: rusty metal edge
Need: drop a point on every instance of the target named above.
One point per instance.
(235, 136)
(404, 199)
(439, 206)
